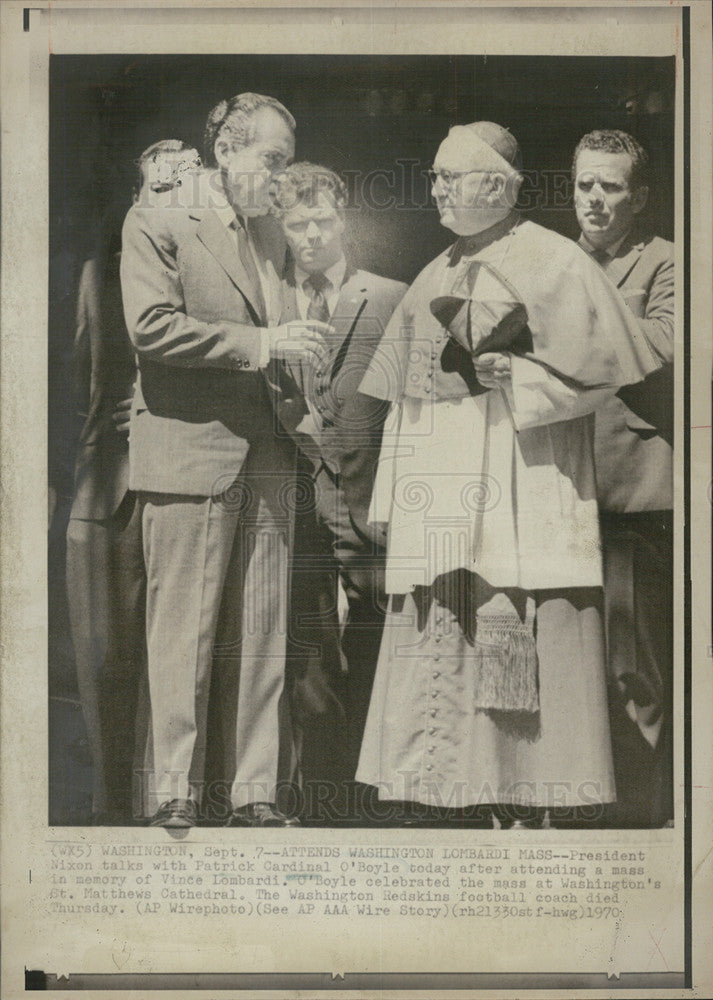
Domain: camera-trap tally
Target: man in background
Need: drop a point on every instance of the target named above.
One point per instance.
(633, 454)
(340, 440)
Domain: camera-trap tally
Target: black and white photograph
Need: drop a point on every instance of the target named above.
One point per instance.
(367, 394)
(360, 440)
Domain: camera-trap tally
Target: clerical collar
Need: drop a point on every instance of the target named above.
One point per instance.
(611, 251)
(334, 274)
(466, 246)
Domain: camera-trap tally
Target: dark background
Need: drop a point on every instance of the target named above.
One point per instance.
(378, 120)
(359, 114)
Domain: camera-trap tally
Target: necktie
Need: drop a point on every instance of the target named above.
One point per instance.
(248, 263)
(601, 256)
(315, 287)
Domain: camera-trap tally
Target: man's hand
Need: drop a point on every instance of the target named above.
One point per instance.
(492, 369)
(300, 341)
(122, 415)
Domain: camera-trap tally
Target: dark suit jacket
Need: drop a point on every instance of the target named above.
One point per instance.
(349, 442)
(194, 320)
(634, 429)
(102, 468)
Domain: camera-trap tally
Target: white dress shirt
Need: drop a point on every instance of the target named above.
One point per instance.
(610, 251)
(273, 305)
(335, 276)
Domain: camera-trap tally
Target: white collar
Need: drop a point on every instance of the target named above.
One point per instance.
(225, 211)
(221, 206)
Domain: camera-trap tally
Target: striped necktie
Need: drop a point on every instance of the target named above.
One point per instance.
(315, 288)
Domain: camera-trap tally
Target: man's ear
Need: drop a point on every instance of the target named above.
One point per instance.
(639, 198)
(222, 149)
(497, 183)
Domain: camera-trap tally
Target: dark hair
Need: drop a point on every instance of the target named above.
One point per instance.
(302, 184)
(616, 141)
(235, 119)
(152, 153)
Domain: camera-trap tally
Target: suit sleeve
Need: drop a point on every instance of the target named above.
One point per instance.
(657, 322)
(361, 430)
(652, 400)
(155, 310)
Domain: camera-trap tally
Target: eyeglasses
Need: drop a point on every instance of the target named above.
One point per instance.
(451, 177)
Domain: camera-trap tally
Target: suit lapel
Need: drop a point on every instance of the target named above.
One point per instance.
(619, 268)
(352, 295)
(289, 314)
(345, 320)
(289, 300)
(215, 237)
(270, 242)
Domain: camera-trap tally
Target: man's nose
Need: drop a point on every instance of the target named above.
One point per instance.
(596, 194)
(313, 232)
